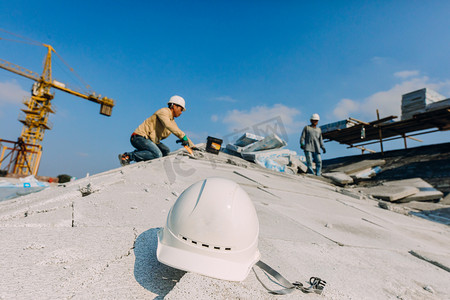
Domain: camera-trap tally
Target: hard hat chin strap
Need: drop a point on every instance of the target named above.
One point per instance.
(317, 284)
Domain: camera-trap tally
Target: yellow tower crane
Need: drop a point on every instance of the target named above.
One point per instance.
(24, 156)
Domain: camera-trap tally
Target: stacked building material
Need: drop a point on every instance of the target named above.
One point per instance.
(336, 126)
(243, 142)
(438, 105)
(416, 102)
(267, 152)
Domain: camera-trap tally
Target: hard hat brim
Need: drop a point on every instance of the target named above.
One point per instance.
(194, 262)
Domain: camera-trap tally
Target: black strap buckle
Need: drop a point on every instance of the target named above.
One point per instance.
(317, 284)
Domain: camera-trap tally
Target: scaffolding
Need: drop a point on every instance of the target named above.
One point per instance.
(385, 129)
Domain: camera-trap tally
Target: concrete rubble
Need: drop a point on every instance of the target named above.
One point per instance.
(407, 190)
(390, 193)
(351, 173)
(339, 178)
(426, 192)
(362, 166)
(402, 191)
(65, 243)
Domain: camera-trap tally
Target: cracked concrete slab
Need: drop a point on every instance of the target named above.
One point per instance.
(390, 193)
(426, 191)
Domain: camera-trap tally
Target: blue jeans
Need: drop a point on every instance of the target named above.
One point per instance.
(310, 156)
(146, 149)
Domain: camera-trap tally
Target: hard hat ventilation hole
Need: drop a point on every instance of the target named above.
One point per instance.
(205, 245)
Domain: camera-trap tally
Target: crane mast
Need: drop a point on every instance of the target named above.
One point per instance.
(26, 152)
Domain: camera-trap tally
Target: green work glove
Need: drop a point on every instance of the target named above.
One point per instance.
(184, 141)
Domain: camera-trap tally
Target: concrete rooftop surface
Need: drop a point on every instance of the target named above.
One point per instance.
(96, 238)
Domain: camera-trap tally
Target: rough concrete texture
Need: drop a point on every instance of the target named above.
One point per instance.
(58, 244)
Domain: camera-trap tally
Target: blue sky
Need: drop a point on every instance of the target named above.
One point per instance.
(237, 64)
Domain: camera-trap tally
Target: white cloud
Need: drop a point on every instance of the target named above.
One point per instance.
(241, 119)
(387, 102)
(405, 74)
(345, 107)
(225, 99)
(12, 93)
(378, 60)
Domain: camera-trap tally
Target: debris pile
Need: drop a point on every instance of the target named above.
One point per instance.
(399, 191)
(268, 152)
(352, 173)
(407, 190)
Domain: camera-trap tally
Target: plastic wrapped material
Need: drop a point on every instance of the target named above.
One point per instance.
(336, 126)
(272, 141)
(438, 105)
(247, 139)
(416, 102)
(266, 152)
(270, 164)
(26, 186)
(273, 154)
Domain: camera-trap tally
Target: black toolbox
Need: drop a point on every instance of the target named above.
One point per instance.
(213, 145)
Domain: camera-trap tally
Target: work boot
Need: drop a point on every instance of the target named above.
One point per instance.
(124, 159)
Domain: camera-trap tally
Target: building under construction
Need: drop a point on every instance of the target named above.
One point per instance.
(423, 111)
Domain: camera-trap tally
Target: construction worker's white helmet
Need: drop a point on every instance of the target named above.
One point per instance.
(178, 101)
(212, 229)
(315, 117)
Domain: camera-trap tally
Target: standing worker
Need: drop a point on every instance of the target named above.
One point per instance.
(148, 136)
(310, 141)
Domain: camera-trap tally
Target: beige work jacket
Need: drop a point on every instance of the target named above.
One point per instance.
(159, 126)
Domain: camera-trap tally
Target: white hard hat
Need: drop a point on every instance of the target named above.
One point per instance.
(212, 229)
(178, 101)
(315, 117)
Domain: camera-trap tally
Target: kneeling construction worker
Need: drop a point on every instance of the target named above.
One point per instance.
(148, 136)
